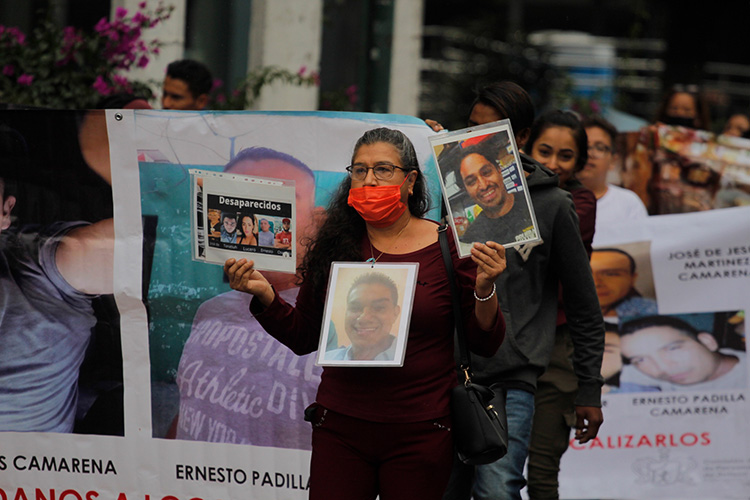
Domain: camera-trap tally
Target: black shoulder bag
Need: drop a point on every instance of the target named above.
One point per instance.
(480, 429)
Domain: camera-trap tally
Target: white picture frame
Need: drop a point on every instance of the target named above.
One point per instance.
(269, 203)
(362, 325)
(484, 186)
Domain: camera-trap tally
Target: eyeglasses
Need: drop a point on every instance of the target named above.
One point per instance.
(383, 171)
(598, 150)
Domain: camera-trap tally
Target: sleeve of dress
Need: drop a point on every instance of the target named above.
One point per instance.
(297, 327)
(481, 342)
(581, 305)
(585, 203)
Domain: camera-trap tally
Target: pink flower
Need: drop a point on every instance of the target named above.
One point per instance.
(121, 81)
(351, 93)
(216, 84)
(302, 70)
(101, 86)
(17, 34)
(120, 12)
(25, 79)
(142, 5)
(102, 25)
(143, 62)
(9, 70)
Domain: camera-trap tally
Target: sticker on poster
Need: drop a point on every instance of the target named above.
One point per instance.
(238, 216)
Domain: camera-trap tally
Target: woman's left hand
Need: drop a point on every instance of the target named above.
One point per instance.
(490, 261)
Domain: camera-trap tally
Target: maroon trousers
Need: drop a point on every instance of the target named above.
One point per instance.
(355, 459)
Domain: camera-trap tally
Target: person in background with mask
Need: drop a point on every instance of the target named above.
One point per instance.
(738, 125)
(684, 106)
(383, 431)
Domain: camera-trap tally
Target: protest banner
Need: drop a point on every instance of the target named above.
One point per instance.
(212, 407)
(181, 395)
(675, 414)
(678, 169)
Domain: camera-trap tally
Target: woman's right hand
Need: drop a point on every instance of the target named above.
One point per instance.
(243, 277)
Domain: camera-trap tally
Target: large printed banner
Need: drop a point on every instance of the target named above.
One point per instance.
(174, 392)
(674, 291)
(130, 370)
(678, 169)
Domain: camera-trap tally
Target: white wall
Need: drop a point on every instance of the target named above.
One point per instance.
(406, 54)
(286, 33)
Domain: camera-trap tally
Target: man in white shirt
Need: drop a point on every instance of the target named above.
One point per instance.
(613, 203)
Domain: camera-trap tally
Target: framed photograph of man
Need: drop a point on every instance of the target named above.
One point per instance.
(367, 314)
(484, 186)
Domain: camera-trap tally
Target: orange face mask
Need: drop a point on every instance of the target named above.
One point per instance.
(379, 206)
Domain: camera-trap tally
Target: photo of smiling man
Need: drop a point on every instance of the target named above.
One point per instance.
(484, 187)
(682, 353)
(370, 311)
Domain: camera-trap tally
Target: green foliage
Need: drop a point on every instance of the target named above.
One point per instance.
(67, 68)
(248, 90)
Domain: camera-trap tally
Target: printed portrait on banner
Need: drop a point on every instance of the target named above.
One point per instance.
(60, 352)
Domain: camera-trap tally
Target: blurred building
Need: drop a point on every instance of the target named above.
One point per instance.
(422, 57)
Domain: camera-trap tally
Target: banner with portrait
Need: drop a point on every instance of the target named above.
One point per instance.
(674, 291)
(678, 169)
(172, 389)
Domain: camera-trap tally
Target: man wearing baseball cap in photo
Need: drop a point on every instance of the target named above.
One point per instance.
(284, 237)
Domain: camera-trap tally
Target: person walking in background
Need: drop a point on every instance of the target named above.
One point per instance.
(558, 141)
(684, 106)
(529, 290)
(613, 203)
(186, 86)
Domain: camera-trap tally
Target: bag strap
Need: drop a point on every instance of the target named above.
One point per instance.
(463, 352)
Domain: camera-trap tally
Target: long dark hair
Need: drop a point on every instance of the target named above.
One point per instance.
(340, 237)
(510, 100)
(702, 119)
(567, 119)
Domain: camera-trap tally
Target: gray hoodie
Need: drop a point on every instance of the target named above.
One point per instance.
(528, 291)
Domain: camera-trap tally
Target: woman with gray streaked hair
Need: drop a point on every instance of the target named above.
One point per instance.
(384, 431)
